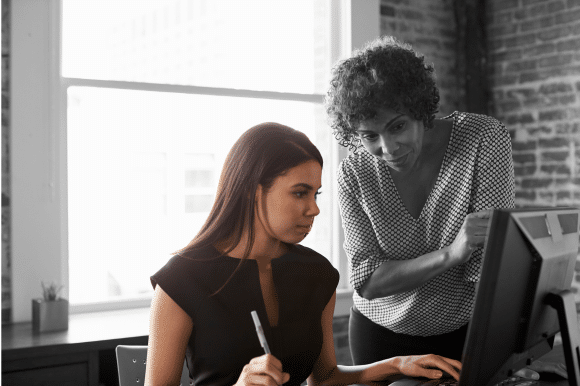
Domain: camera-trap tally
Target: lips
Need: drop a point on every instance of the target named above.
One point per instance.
(397, 161)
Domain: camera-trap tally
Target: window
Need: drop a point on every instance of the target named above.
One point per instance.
(143, 164)
(122, 118)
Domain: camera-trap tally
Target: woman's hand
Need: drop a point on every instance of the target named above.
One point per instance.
(264, 370)
(533, 370)
(428, 366)
(471, 236)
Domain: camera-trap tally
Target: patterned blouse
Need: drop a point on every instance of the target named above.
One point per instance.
(476, 174)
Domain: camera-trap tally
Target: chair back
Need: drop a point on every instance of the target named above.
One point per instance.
(131, 361)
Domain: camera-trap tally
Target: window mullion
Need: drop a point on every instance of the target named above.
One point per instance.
(185, 89)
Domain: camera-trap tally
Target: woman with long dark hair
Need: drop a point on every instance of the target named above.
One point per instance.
(245, 258)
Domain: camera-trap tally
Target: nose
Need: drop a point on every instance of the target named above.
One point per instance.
(313, 210)
(388, 144)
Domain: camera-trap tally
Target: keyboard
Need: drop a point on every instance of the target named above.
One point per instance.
(512, 381)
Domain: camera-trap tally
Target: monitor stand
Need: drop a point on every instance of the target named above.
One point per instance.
(564, 304)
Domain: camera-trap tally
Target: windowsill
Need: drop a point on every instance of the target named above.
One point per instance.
(135, 307)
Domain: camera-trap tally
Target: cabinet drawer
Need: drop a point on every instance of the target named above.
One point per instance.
(66, 375)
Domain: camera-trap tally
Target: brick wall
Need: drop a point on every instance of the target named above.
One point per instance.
(430, 27)
(534, 75)
(6, 278)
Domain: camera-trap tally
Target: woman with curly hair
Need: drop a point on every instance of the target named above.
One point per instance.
(415, 195)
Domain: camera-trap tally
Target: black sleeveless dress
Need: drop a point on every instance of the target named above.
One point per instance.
(224, 337)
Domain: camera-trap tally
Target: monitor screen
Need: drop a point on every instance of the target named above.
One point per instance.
(528, 254)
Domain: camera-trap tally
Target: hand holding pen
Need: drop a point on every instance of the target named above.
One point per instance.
(263, 370)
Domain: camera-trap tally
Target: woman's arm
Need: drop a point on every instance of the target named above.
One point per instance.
(326, 372)
(396, 276)
(370, 274)
(169, 331)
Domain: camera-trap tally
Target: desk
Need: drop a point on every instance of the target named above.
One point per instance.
(82, 355)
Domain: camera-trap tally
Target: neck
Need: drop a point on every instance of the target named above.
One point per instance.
(264, 249)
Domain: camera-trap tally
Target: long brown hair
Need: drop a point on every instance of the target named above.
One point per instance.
(261, 154)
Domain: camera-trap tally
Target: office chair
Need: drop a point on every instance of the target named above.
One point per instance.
(131, 366)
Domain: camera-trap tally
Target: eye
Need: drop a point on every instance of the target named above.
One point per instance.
(301, 194)
(316, 195)
(369, 137)
(399, 127)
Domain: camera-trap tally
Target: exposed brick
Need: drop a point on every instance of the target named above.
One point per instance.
(502, 30)
(568, 128)
(500, 17)
(504, 80)
(552, 115)
(506, 55)
(556, 6)
(569, 45)
(536, 24)
(540, 49)
(528, 145)
(566, 99)
(538, 10)
(526, 195)
(566, 17)
(520, 40)
(542, 130)
(524, 158)
(547, 143)
(554, 33)
(548, 196)
(521, 66)
(534, 76)
(536, 183)
(573, 3)
(562, 195)
(521, 119)
(520, 93)
(387, 10)
(412, 15)
(555, 156)
(503, 5)
(520, 14)
(539, 101)
(531, 2)
(555, 60)
(555, 87)
(509, 105)
(556, 169)
(524, 171)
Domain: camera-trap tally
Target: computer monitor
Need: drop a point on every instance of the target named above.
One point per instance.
(523, 297)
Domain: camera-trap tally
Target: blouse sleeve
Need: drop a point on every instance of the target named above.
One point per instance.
(361, 245)
(175, 279)
(493, 184)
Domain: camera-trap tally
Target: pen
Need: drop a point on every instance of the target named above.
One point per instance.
(260, 332)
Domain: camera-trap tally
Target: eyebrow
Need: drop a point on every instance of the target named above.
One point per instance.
(304, 185)
(387, 125)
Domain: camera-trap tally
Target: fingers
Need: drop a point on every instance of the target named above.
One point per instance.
(431, 366)
(549, 367)
(527, 373)
(265, 370)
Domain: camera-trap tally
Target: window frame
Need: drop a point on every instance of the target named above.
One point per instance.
(38, 142)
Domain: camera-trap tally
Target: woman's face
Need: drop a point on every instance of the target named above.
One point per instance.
(393, 137)
(286, 212)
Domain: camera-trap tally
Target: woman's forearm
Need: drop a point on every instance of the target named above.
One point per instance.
(361, 374)
(396, 276)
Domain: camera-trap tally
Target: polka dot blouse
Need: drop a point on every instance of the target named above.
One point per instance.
(476, 174)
